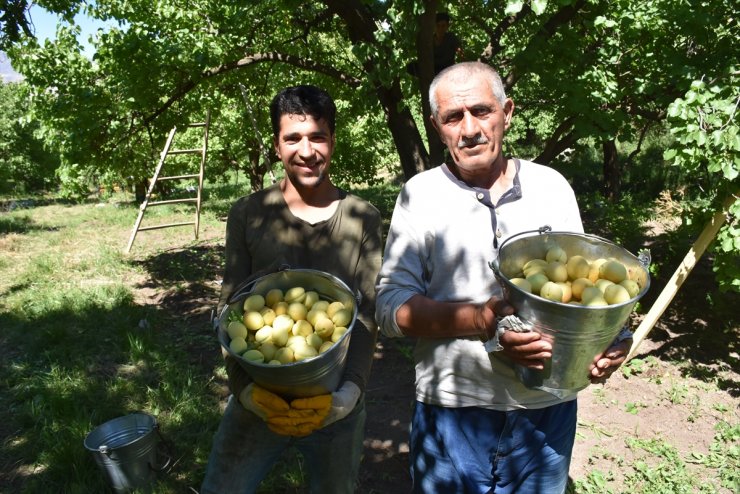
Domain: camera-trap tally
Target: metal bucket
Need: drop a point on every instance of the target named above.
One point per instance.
(125, 449)
(578, 333)
(311, 377)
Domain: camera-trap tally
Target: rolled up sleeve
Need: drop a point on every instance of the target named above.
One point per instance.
(402, 273)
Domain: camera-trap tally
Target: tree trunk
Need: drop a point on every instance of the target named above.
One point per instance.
(361, 27)
(612, 182)
(140, 188)
(561, 139)
(255, 171)
(425, 55)
(411, 151)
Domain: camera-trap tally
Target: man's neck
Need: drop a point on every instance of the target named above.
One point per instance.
(500, 175)
(503, 181)
(311, 204)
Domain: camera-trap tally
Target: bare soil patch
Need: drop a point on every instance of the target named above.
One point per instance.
(688, 381)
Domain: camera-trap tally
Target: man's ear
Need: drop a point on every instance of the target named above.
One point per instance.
(277, 148)
(434, 123)
(508, 112)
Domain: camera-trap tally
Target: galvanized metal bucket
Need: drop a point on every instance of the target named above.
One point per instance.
(578, 333)
(126, 450)
(311, 377)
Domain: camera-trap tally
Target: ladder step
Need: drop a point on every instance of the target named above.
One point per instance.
(197, 124)
(185, 151)
(168, 225)
(172, 201)
(178, 177)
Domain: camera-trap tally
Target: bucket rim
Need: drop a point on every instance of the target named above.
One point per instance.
(102, 448)
(248, 290)
(642, 259)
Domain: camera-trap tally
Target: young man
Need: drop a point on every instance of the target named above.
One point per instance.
(304, 221)
(475, 427)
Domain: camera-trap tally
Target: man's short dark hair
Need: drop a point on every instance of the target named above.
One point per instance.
(443, 16)
(302, 100)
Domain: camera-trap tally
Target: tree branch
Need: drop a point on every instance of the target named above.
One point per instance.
(547, 31)
(189, 85)
(494, 35)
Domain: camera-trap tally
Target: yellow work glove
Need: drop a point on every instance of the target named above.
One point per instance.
(263, 403)
(305, 416)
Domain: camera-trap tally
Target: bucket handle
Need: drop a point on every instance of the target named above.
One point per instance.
(105, 450)
(494, 265)
(643, 256)
(249, 283)
(168, 451)
(540, 230)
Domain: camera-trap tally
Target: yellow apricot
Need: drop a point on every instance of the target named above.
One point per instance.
(253, 320)
(273, 297)
(254, 303)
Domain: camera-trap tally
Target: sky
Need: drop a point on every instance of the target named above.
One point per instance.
(45, 25)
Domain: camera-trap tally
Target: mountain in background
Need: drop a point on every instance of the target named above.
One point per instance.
(7, 73)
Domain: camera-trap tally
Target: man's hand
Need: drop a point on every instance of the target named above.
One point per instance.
(527, 349)
(262, 403)
(605, 364)
(485, 316)
(304, 417)
(343, 401)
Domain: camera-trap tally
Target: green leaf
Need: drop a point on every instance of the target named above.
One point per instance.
(513, 7)
(539, 6)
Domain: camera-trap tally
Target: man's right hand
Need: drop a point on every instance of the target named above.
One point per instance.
(487, 314)
(526, 349)
(263, 403)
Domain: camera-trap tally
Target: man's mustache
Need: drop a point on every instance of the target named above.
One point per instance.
(472, 141)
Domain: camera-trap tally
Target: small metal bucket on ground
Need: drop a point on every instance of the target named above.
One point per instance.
(315, 376)
(578, 333)
(126, 450)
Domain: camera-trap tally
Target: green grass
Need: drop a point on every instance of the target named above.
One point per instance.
(80, 346)
(75, 353)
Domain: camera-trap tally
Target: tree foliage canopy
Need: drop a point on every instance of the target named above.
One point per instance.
(581, 72)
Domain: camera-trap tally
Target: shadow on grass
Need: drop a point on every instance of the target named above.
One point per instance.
(21, 225)
(69, 370)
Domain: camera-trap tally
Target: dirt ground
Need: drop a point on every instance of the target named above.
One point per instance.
(665, 401)
(688, 381)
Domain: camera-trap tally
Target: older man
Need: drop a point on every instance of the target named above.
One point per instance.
(476, 427)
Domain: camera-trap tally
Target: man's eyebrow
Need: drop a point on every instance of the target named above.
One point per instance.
(297, 135)
(472, 108)
(450, 112)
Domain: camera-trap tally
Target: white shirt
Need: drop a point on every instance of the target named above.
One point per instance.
(443, 236)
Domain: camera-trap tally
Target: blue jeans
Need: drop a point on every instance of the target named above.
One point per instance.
(475, 450)
(245, 450)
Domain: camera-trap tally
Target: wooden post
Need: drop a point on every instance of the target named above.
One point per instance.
(688, 263)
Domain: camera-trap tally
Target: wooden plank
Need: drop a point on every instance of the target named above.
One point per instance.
(167, 225)
(174, 201)
(680, 275)
(180, 177)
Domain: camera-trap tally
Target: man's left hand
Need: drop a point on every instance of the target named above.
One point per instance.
(304, 416)
(605, 364)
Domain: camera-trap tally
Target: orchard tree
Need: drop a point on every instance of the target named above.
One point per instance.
(27, 164)
(705, 124)
(580, 71)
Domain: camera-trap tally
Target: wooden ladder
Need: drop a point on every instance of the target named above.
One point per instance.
(166, 151)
